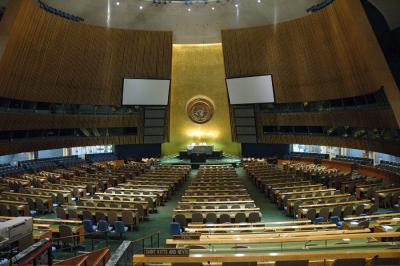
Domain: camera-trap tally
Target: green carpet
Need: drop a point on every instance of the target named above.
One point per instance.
(269, 210)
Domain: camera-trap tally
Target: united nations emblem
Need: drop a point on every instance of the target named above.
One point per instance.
(200, 110)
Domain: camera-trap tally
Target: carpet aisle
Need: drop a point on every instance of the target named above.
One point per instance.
(269, 210)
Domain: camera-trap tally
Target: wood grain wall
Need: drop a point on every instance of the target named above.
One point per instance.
(52, 59)
(330, 54)
(10, 121)
(378, 118)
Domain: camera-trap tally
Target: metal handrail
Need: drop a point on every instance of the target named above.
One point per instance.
(149, 236)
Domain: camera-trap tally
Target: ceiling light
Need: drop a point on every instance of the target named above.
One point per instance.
(212, 8)
(117, 3)
(141, 7)
(189, 9)
(236, 5)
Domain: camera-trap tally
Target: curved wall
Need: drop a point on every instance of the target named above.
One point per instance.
(330, 54)
(52, 59)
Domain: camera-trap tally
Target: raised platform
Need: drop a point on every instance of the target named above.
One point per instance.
(225, 159)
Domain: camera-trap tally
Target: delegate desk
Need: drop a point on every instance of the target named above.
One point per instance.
(159, 193)
(213, 203)
(244, 196)
(231, 212)
(94, 209)
(47, 200)
(303, 209)
(261, 224)
(54, 229)
(66, 194)
(301, 194)
(316, 256)
(22, 206)
(289, 203)
(303, 237)
(374, 216)
(153, 200)
(383, 193)
(256, 229)
(53, 225)
(108, 203)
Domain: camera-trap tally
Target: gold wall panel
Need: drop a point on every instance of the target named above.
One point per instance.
(199, 70)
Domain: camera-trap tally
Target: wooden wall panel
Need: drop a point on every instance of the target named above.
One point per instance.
(382, 118)
(369, 145)
(52, 59)
(330, 54)
(40, 121)
(42, 144)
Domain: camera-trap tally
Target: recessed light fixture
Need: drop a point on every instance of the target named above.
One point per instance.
(258, 1)
(236, 5)
(189, 9)
(117, 3)
(141, 7)
(212, 8)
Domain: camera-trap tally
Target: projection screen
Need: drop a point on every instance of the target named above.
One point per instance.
(145, 92)
(257, 89)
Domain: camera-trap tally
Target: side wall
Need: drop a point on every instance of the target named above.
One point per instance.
(330, 54)
(52, 59)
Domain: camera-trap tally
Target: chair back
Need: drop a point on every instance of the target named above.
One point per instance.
(349, 262)
(73, 214)
(337, 211)
(197, 217)
(60, 212)
(66, 231)
(103, 226)
(112, 217)
(127, 218)
(224, 218)
(359, 210)
(60, 198)
(181, 219)
(100, 216)
(211, 218)
(88, 226)
(348, 210)
(324, 214)
(41, 208)
(240, 217)
(3, 210)
(311, 214)
(87, 215)
(119, 227)
(175, 228)
(373, 208)
(31, 204)
(254, 217)
(14, 210)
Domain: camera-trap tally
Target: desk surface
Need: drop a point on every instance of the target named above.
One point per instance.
(335, 204)
(266, 257)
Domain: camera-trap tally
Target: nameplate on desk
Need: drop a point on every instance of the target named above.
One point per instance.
(190, 236)
(170, 252)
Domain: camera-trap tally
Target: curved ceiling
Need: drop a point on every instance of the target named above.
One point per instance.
(195, 23)
(203, 23)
